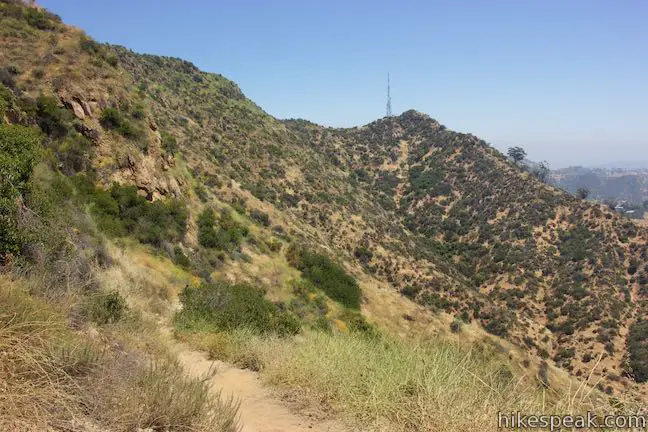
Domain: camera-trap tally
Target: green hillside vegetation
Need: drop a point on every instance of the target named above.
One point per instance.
(326, 275)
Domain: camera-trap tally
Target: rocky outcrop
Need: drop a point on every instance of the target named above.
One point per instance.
(145, 173)
(75, 107)
(81, 105)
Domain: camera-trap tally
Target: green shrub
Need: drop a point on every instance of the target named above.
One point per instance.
(326, 275)
(455, 326)
(169, 142)
(363, 254)
(180, 258)
(19, 153)
(111, 118)
(120, 211)
(72, 154)
(107, 308)
(206, 233)
(201, 192)
(90, 46)
(52, 119)
(260, 216)
(638, 351)
(357, 323)
(227, 236)
(576, 244)
(41, 18)
(224, 306)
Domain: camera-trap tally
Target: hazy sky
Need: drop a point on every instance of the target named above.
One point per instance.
(567, 79)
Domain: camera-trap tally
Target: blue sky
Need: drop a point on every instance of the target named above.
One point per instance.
(567, 80)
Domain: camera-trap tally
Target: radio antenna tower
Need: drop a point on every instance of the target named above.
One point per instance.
(389, 111)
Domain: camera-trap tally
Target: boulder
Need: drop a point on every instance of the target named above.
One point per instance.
(76, 108)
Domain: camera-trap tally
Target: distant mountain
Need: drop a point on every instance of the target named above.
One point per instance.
(605, 183)
(625, 165)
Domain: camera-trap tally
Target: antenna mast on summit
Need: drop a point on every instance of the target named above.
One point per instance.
(389, 111)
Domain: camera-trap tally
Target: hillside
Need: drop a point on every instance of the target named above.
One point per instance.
(340, 228)
(605, 183)
(440, 216)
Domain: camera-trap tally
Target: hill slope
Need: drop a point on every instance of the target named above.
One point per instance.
(436, 215)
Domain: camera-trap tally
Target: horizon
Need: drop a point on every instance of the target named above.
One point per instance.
(582, 68)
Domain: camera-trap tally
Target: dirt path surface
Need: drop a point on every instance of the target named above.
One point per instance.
(260, 410)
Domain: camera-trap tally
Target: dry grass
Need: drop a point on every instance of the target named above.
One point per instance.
(53, 378)
(35, 389)
(393, 385)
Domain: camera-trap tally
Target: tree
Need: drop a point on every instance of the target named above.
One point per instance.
(582, 193)
(541, 171)
(517, 154)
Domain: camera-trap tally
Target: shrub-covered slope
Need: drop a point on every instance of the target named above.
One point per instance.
(440, 216)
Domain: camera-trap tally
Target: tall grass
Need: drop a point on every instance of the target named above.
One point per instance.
(35, 389)
(394, 385)
(51, 377)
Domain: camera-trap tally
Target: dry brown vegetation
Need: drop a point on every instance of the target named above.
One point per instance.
(54, 378)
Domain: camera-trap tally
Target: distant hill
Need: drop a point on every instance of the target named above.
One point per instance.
(605, 183)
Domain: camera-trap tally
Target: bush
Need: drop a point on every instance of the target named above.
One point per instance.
(223, 306)
(326, 275)
(73, 154)
(120, 211)
(363, 254)
(169, 142)
(41, 19)
(260, 216)
(227, 236)
(107, 308)
(357, 323)
(206, 233)
(111, 118)
(455, 326)
(180, 258)
(19, 153)
(52, 119)
(90, 46)
(638, 351)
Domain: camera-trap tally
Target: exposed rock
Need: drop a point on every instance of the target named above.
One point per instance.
(157, 138)
(144, 172)
(76, 108)
(93, 105)
(92, 134)
(75, 100)
(86, 107)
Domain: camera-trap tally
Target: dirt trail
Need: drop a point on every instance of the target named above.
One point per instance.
(260, 410)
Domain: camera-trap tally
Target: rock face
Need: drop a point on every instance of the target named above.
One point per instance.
(144, 172)
(76, 108)
(78, 104)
